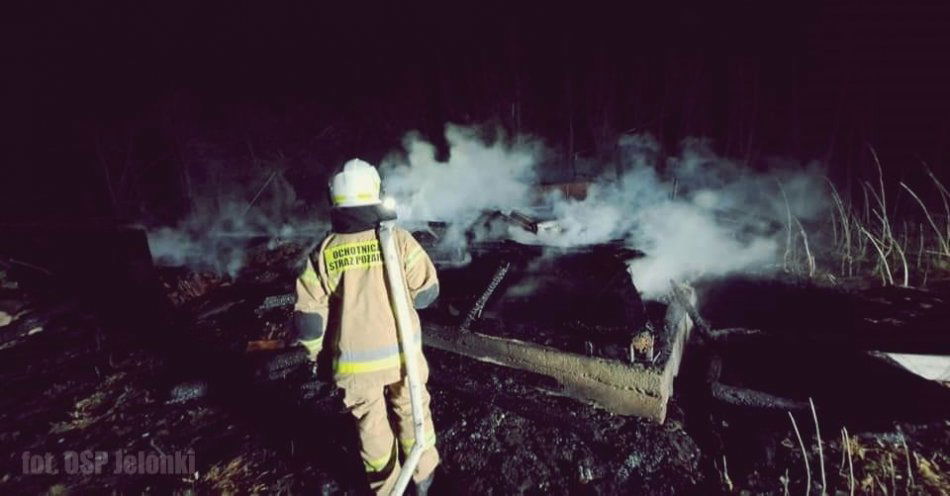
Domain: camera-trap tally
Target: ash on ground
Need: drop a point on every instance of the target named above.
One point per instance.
(77, 380)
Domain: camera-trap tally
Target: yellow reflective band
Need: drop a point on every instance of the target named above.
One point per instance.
(334, 281)
(413, 257)
(313, 344)
(349, 368)
(407, 444)
(338, 199)
(378, 464)
(342, 366)
(356, 255)
(309, 275)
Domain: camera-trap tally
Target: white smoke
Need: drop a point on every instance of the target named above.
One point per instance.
(693, 215)
(217, 234)
(480, 175)
(682, 240)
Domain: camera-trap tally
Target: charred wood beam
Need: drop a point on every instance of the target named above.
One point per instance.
(282, 364)
(476, 311)
(522, 220)
(187, 391)
(713, 368)
(686, 300)
(870, 339)
(277, 301)
(750, 398)
(732, 333)
(268, 303)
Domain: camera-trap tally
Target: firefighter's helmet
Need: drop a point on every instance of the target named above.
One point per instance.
(358, 184)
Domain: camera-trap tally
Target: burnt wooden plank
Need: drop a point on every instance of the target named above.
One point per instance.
(620, 387)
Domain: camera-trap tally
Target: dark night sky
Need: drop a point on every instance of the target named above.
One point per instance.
(315, 82)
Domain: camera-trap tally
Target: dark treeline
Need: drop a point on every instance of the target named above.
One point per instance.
(132, 109)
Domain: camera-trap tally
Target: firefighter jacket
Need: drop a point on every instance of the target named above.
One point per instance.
(343, 305)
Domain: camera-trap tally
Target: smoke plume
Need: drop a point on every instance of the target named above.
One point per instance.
(480, 175)
(221, 229)
(693, 214)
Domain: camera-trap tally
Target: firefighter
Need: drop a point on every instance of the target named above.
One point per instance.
(343, 309)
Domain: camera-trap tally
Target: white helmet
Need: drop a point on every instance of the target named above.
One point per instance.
(358, 184)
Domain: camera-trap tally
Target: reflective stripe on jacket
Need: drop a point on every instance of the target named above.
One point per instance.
(344, 283)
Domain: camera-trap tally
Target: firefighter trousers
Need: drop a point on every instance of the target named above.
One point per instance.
(370, 404)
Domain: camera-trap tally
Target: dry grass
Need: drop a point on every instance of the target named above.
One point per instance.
(871, 463)
(903, 243)
(888, 467)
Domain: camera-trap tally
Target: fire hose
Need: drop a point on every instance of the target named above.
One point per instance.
(410, 349)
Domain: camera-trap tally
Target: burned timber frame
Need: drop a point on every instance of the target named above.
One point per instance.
(639, 388)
